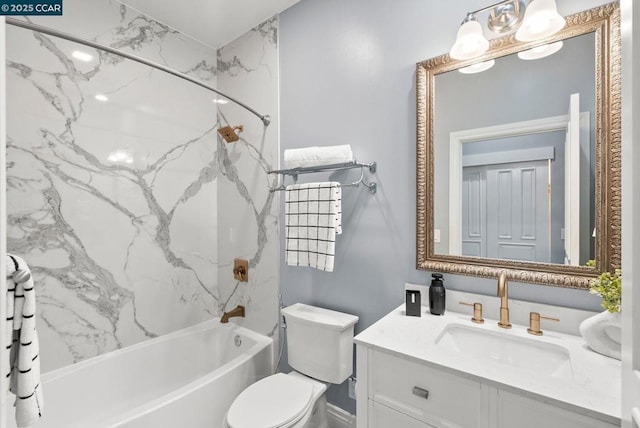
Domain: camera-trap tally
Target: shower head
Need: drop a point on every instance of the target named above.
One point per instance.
(229, 134)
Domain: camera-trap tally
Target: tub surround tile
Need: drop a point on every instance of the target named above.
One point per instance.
(248, 218)
(112, 203)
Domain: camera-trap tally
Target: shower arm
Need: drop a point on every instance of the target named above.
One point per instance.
(266, 119)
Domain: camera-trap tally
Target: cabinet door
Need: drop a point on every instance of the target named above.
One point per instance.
(426, 393)
(384, 417)
(522, 412)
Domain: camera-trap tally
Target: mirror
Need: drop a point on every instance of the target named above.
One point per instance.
(518, 165)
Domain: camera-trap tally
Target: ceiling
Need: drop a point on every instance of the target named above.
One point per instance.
(213, 22)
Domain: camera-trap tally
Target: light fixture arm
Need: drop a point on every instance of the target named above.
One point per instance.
(469, 17)
(504, 16)
(491, 6)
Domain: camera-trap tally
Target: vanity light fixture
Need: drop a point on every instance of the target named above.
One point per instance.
(540, 51)
(470, 41)
(536, 21)
(540, 20)
(478, 68)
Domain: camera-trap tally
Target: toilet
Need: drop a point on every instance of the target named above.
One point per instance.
(320, 349)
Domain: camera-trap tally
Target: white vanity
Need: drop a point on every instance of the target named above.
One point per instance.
(448, 372)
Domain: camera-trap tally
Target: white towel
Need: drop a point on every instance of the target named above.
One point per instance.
(313, 216)
(317, 156)
(23, 353)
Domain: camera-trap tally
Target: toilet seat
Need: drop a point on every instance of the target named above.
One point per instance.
(277, 401)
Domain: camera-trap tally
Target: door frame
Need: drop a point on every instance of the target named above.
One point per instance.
(458, 138)
(630, 28)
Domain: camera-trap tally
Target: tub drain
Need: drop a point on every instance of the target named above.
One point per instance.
(237, 340)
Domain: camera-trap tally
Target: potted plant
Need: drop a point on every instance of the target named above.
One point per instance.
(602, 332)
(609, 287)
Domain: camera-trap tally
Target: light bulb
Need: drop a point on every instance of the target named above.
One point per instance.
(470, 41)
(541, 19)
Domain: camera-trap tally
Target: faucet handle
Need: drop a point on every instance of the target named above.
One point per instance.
(534, 323)
(477, 312)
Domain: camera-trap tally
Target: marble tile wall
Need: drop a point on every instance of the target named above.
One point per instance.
(247, 210)
(115, 203)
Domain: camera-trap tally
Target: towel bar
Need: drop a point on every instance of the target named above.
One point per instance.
(294, 172)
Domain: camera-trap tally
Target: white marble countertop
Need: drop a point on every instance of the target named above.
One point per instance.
(594, 391)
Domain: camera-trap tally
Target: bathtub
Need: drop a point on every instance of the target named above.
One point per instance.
(185, 379)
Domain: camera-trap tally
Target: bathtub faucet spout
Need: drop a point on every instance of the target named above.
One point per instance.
(237, 312)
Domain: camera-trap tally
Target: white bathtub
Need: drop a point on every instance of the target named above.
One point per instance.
(185, 379)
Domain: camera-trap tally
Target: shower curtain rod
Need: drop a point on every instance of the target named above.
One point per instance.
(266, 119)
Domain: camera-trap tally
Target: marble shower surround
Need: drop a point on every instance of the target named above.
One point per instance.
(113, 204)
(247, 210)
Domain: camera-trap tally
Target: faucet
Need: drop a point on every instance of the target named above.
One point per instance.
(237, 312)
(504, 301)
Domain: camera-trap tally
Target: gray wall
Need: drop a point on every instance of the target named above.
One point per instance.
(347, 75)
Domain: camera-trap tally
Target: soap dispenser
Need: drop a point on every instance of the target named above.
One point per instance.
(436, 295)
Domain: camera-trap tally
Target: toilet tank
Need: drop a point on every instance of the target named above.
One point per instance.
(320, 342)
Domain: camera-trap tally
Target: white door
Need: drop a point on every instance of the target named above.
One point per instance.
(572, 184)
(474, 211)
(506, 212)
(518, 211)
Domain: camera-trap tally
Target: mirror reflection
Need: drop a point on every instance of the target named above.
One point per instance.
(514, 156)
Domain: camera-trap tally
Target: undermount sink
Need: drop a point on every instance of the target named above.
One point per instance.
(541, 358)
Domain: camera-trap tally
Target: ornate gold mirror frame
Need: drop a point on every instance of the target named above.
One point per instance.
(604, 21)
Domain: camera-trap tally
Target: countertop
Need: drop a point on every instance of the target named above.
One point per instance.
(594, 391)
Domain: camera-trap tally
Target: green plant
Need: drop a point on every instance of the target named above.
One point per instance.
(609, 287)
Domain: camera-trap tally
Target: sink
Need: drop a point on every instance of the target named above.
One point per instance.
(537, 357)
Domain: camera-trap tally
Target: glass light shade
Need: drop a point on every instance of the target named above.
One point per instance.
(540, 20)
(478, 68)
(470, 42)
(540, 51)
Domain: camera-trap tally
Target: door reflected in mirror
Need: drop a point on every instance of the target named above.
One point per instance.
(514, 152)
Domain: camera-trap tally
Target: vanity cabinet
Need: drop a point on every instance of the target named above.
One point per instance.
(384, 417)
(398, 392)
(514, 410)
(424, 393)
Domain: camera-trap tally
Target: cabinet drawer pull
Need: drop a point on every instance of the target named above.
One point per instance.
(420, 392)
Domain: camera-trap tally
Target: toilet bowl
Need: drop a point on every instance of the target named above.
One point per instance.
(280, 401)
(320, 350)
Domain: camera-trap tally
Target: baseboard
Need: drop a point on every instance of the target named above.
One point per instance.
(338, 418)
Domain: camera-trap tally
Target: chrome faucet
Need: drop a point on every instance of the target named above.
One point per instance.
(237, 312)
(504, 300)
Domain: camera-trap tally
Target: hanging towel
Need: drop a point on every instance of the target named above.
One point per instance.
(24, 360)
(313, 215)
(317, 156)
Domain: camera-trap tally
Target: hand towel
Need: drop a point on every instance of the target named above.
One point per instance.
(24, 360)
(317, 156)
(313, 216)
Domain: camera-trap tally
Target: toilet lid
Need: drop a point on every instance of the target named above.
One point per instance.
(275, 401)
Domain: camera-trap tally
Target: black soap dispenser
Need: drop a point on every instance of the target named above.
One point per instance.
(436, 295)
